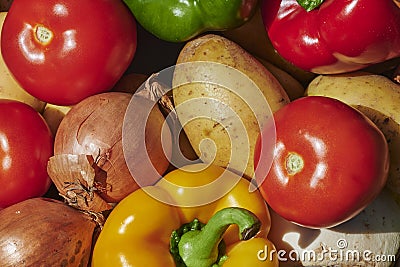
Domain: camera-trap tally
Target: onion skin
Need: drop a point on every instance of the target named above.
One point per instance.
(94, 127)
(45, 232)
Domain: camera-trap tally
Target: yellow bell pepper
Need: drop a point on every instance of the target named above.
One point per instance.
(144, 231)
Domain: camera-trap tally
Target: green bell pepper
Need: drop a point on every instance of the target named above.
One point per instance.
(181, 20)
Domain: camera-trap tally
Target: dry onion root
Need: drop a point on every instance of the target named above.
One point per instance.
(77, 178)
(45, 232)
(93, 128)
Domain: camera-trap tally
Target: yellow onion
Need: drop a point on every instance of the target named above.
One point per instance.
(94, 127)
(45, 232)
(74, 177)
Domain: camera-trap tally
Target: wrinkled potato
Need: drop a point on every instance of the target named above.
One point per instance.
(229, 105)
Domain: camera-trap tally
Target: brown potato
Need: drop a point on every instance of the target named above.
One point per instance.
(231, 116)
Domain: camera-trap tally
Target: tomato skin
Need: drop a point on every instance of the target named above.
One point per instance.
(91, 45)
(344, 159)
(26, 144)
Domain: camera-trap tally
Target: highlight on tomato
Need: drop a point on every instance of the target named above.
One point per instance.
(26, 144)
(330, 161)
(64, 51)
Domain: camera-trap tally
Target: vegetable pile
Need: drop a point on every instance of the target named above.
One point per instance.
(199, 133)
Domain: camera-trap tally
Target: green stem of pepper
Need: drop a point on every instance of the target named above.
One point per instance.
(201, 247)
(309, 5)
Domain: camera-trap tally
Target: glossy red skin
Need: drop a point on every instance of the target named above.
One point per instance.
(26, 144)
(339, 36)
(94, 43)
(347, 148)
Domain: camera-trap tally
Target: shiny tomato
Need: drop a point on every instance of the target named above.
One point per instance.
(329, 162)
(62, 51)
(26, 144)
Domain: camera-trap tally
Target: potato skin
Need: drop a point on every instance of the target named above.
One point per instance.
(215, 48)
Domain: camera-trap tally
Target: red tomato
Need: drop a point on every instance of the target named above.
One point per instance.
(26, 144)
(62, 51)
(330, 162)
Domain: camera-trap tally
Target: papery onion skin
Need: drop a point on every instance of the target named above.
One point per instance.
(45, 232)
(94, 127)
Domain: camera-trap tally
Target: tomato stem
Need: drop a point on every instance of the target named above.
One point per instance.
(294, 163)
(43, 34)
